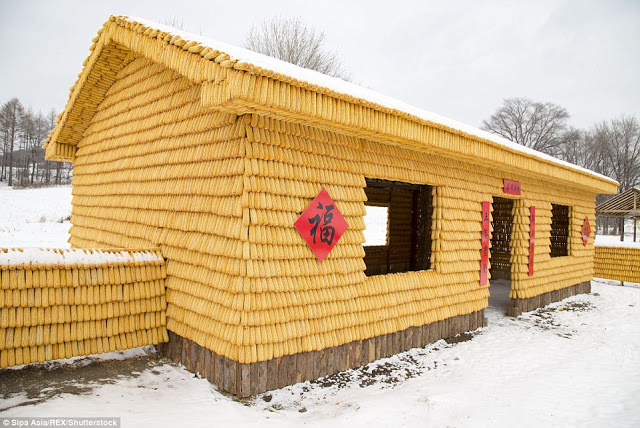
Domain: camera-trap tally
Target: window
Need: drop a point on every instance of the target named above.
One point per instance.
(559, 230)
(398, 220)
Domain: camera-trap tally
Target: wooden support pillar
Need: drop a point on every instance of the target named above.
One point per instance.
(635, 230)
(622, 229)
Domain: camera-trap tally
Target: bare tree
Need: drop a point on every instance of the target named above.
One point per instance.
(4, 134)
(594, 153)
(619, 142)
(179, 24)
(51, 119)
(573, 147)
(293, 41)
(30, 146)
(9, 123)
(537, 125)
(36, 150)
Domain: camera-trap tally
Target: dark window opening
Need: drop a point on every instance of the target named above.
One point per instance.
(559, 230)
(408, 238)
(501, 238)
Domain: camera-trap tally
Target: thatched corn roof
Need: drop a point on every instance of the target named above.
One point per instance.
(239, 81)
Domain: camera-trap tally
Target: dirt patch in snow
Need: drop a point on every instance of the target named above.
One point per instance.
(388, 371)
(547, 318)
(462, 337)
(385, 373)
(41, 382)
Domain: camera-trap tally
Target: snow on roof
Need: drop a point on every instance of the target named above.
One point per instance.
(347, 88)
(53, 256)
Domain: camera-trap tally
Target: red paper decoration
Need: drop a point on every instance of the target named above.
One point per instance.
(321, 225)
(532, 237)
(484, 256)
(511, 187)
(586, 231)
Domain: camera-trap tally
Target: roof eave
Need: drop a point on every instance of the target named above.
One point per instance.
(244, 92)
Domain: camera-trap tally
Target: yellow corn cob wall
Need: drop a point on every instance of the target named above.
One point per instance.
(291, 163)
(56, 310)
(619, 263)
(155, 168)
(207, 159)
(550, 274)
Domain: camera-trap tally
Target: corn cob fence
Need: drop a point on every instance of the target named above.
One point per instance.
(617, 263)
(66, 303)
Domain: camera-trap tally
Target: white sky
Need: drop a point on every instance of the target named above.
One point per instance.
(455, 58)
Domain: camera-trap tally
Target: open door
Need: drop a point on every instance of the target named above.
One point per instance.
(502, 223)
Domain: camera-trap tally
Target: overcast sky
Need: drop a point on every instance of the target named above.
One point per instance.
(455, 58)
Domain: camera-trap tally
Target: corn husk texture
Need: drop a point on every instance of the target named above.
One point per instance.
(619, 263)
(219, 194)
(155, 168)
(61, 310)
(217, 184)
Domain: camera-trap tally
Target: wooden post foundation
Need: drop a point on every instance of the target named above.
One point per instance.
(519, 306)
(244, 380)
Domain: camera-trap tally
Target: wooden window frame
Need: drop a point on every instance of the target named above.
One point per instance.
(410, 219)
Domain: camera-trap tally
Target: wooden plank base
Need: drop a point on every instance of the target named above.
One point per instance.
(244, 380)
(519, 306)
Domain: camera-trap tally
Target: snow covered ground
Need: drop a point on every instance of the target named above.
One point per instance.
(574, 363)
(35, 217)
(614, 240)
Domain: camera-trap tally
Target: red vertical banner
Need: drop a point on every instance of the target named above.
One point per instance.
(532, 237)
(484, 258)
(586, 231)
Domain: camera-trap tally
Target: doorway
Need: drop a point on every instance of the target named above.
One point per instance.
(502, 224)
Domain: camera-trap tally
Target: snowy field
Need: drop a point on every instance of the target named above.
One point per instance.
(614, 240)
(574, 363)
(35, 217)
(40, 218)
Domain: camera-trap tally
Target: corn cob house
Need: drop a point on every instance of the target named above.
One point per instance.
(212, 153)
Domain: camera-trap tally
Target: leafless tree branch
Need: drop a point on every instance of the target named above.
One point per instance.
(293, 41)
(533, 124)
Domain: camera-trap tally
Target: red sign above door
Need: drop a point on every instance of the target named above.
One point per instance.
(321, 225)
(512, 187)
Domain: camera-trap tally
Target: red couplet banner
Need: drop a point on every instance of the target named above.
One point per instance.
(484, 259)
(586, 231)
(532, 237)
